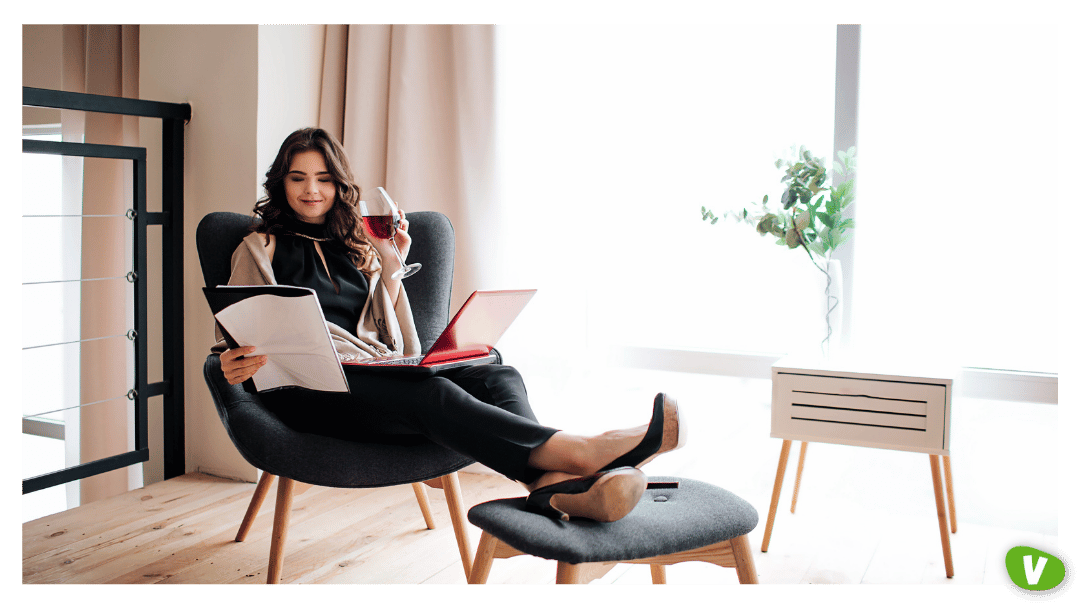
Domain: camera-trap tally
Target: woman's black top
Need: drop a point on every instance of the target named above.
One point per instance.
(297, 263)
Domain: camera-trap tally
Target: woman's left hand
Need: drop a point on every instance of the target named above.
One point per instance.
(385, 248)
(402, 237)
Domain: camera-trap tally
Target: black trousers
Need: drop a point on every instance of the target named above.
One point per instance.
(480, 411)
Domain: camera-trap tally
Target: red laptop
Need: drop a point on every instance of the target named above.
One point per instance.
(467, 340)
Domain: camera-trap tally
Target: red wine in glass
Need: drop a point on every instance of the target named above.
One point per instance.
(381, 226)
(381, 219)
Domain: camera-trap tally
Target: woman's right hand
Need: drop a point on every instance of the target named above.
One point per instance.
(238, 368)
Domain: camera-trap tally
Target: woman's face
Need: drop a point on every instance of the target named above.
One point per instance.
(309, 187)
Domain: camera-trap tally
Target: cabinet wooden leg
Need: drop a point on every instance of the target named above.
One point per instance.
(949, 492)
(943, 524)
(780, 468)
(798, 475)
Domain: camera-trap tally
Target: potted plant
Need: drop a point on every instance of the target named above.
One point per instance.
(812, 213)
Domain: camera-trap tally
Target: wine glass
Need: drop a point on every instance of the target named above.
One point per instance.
(380, 214)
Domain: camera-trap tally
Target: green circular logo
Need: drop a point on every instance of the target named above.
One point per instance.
(1037, 575)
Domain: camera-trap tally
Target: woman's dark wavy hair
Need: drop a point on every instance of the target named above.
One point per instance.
(343, 221)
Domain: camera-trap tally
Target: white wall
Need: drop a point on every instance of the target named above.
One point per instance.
(249, 87)
(215, 69)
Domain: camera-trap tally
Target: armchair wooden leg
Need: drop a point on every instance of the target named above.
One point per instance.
(659, 575)
(452, 489)
(261, 490)
(282, 510)
(780, 468)
(425, 506)
(798, 475)
(567, 574)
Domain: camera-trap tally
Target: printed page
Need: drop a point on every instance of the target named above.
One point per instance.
(292, 334)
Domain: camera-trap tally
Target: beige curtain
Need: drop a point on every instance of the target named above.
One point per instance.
(103, 60)
(416, 116)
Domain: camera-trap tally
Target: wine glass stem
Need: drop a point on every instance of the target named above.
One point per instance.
(397, 252)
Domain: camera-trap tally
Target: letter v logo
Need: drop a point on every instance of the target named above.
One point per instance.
(1033, 574)
(1034, 570)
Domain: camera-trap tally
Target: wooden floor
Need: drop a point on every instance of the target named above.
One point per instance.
(864, 516)
(181, 531)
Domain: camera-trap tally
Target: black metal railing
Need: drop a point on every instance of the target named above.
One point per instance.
(171, 220)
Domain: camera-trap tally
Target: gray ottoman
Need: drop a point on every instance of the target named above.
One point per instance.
(677, 520)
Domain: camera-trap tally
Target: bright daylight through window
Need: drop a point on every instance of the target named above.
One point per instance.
(612, 138)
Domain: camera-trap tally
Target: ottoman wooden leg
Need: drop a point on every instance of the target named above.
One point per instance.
(581, 574)
(744, 560)
(485, 554)
(659, 575)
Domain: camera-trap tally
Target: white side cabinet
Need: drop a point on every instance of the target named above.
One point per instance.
(857, 402)
(822, 404)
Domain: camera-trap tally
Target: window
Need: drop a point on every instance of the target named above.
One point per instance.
(956, 193)
(612, 138)
(50, 312)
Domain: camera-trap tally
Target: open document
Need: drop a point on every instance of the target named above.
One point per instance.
(286, 324)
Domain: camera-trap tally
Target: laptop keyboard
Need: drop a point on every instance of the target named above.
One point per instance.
(401, 361)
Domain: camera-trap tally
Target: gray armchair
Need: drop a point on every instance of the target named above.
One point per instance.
(278, 451)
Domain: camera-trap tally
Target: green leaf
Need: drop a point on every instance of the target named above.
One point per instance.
(825, 219)
(835, 235)
(785, 199)
(765, 200)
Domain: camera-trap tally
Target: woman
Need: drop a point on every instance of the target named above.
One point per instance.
(310, 234)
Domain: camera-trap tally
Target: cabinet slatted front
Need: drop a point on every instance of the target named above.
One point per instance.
(861, 409)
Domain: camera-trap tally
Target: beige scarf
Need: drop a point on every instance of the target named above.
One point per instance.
(385, 328)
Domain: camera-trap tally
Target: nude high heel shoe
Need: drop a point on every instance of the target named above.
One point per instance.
(605, 496)
(666, 433)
